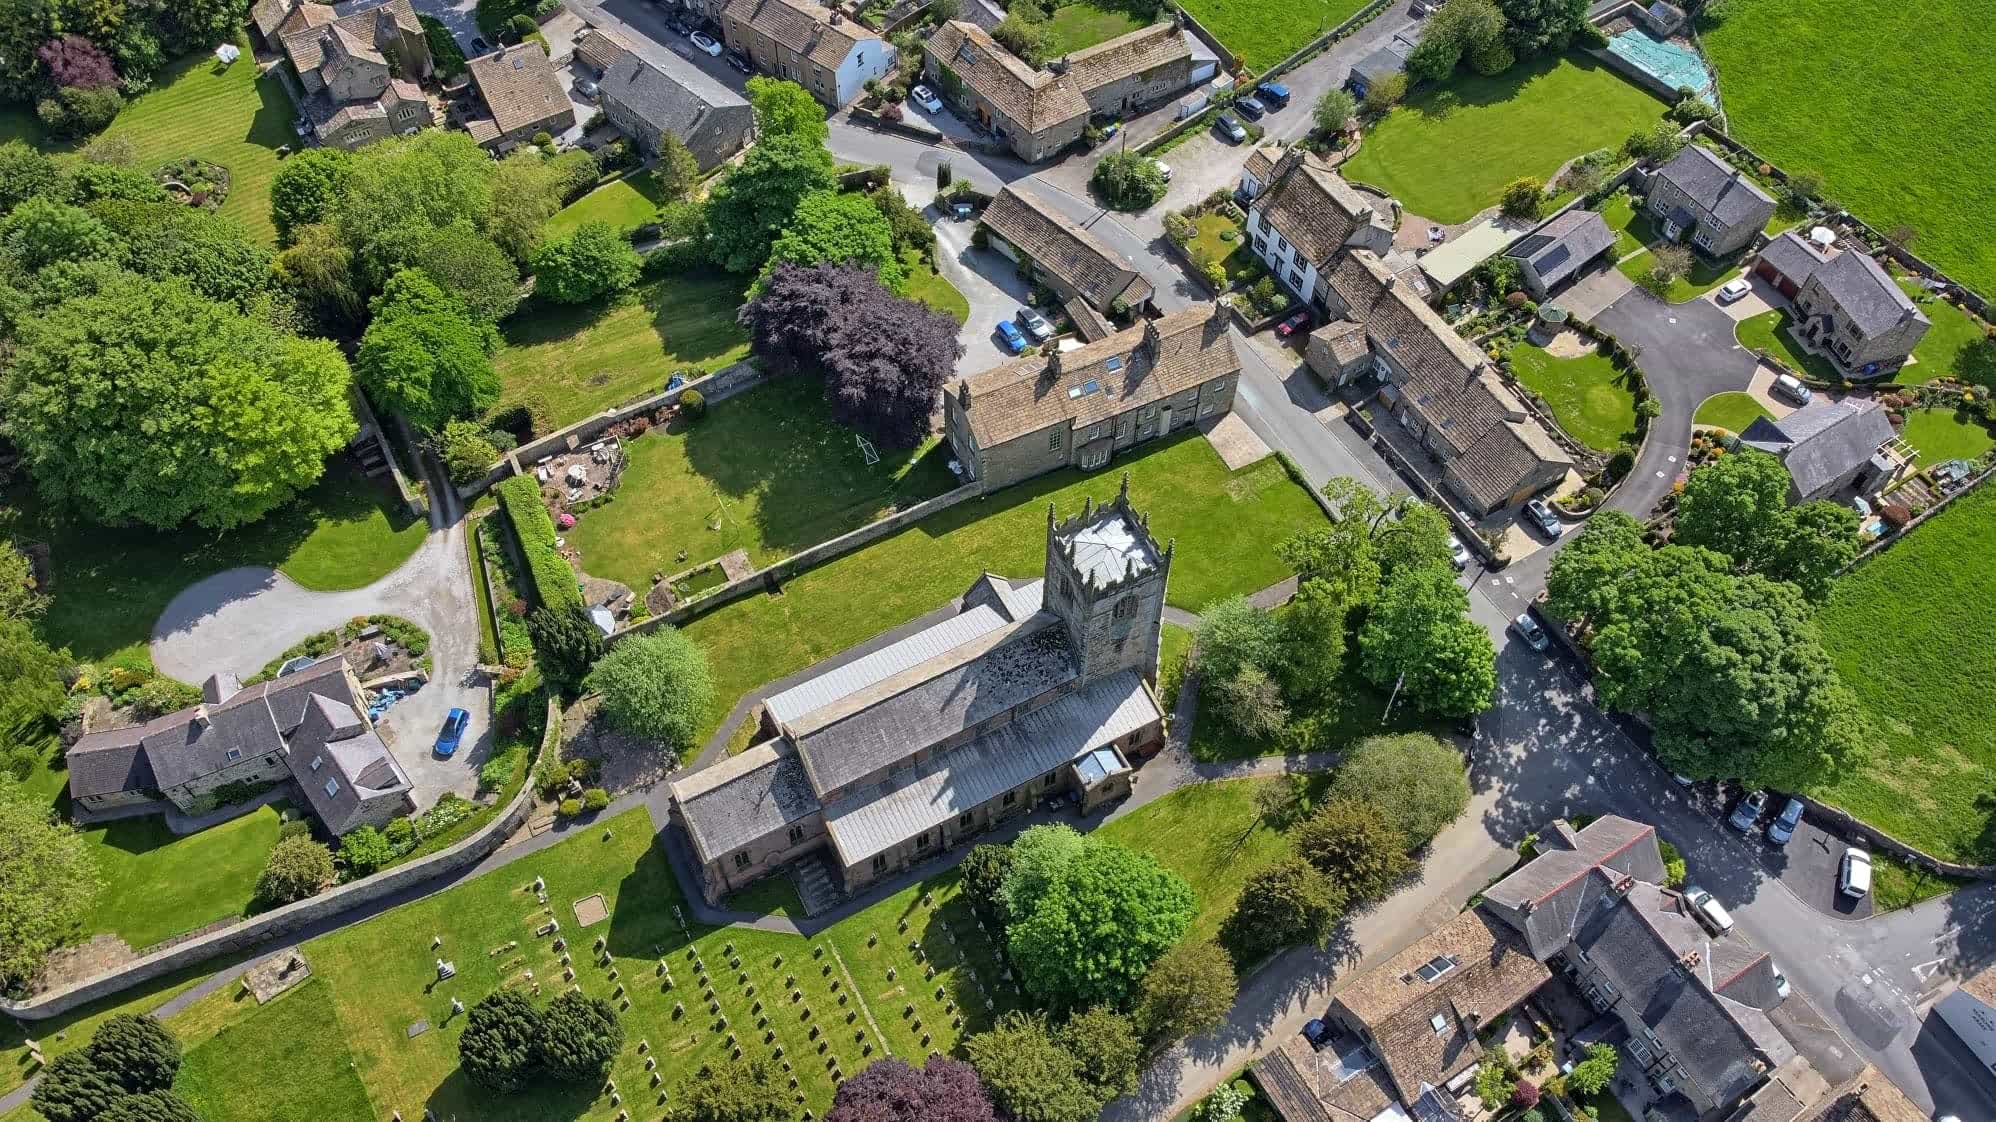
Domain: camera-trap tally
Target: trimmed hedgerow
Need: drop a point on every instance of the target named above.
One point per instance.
(554, 581)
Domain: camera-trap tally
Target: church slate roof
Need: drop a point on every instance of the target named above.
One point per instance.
(743, 798)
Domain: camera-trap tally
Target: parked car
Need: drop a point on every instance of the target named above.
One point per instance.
(1272, 93)
(1298, 322)
(1014, 339)
(1781, 989)
(1708, 911)
(1748, 812)
(1854, 878)
(1230, 128)
(1033, 324)
(1681, 779)
(926, 98)
(479, 46)
(455, 722)
(740, 62)
(1791, 387)
(706, 44)
(1251, 108)
(1782, 829)
(587, 88)
(1542, 516)
(1458, 553)
(1529, 630)
(1733, 290)
(1163, 169)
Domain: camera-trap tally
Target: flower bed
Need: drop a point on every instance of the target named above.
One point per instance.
(195, 182)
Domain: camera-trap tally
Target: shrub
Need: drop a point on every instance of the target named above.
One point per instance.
(1525, 1094)
(467, 450)
(162, 695)
(1382, 95)
(554, 581)
(294, 828)
(1223, 1105)
(1524, 198)
(1591, 1076)
(579, 1037)
(693, 404)
(656, 686)
(401, 833)
(365, 850)
(1128, 181)
(570, 808)
(1493, 1084)
(501, 1036)
(595, 798)
(297, 868)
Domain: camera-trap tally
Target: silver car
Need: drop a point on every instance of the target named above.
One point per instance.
(1033, 324)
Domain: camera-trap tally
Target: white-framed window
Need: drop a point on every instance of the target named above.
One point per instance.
(1704, 239)
(1094, 430)
(1096, 458)
(332, 787)
(1146, 413)
(1206, 410)
(1281, 243)
(1053, 441)
(408, 113)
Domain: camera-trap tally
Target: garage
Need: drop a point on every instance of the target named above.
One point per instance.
(1787, 261)
(1774, 276)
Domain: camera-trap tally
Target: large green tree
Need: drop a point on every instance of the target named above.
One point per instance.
(1372, 538)
(306, 189)
(43, 230)
(1059, 945)
(462, 262)
(1738, 505)
(787, 109)
(213, 254)
(72, 1088)
(498, 1047)
(1032, 1076)
(1472, 29)
(1282, 905)
(26, 171)
(145, 402)
(1534, 27)
(296, 868)
(1039, 854)
(48, 878)
(152, 1106)
(1417, 781)
(657, 686)
(566, 643)
(1234, 634)
(580, 1036)
(136, 1051)
(588, 263)
(321, 274)
(1355, 845)
(754, 201)
(1106, 1050)
(750, 1089)
(425, 356)
(437, 177)
(1418, 639)
(839, 228)
(1187, 991)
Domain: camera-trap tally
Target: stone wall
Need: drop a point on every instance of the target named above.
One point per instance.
(365, 412)
(431, 873)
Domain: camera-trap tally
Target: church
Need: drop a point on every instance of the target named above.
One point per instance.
(1033, 689)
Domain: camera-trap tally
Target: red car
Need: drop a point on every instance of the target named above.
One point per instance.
(1293, 324)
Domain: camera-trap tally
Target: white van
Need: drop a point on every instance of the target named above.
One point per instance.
(1708, 911)
(1854, 878)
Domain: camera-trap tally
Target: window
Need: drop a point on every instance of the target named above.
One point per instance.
(1295, 279)
(233, 754)
(407, 113)
(1048, 781)
(1094, 430)
(1281, 243)
(1439, 1023)
(317, 761)
(880, 863)
(1010, 798)
(1206, 410)
(1096, 458)
(1053, 441)
(1146, 413)
(332, 787)
(1261, 246)
(1436, 967)
(1704, 239)
(922, 840)
(1126, 608)
(796, 834)
(964, 822)
(741, 860)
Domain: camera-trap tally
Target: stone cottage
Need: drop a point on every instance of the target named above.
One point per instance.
(800, 41)
(361, 72)
(522, 97)
(649, 95)
(1092, 281)
(1302, 215)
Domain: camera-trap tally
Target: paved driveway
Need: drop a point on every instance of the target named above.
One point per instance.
(988, 280)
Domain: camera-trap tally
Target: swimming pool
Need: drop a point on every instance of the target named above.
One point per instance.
(1674, 66)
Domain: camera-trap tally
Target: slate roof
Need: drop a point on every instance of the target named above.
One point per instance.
(1390, 58)
(1036, 100)
(1136, 52)
(672, 94)
(269, 15)
(1070, 253)
(1867, 294)
(1312, 206)
(1792, 256)
(303, 44)
(803, 27)
(934, 791)
(1559, 249)
(1544, 899)
(1134, 367)
(113, 761)
(519, 86)
(1822, 441)
(1729, 194)
(333, 745)
(743, 798)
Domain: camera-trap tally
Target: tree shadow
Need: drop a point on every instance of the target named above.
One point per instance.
(694, 315)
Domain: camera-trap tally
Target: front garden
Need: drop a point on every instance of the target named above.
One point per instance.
(1589, 397)
(1732, 411)
(1768, 332)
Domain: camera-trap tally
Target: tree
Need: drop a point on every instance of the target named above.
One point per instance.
(1234, 634)
(753, 202)
(590, 262)
(1287, 903)
(76, 63)
(1417, 782)
(467, 450)
(48, 879)
(1024, 38)
(566, 643)
(1249, 701)
(91, 181)
(1654, 145)
(1495, 1080)
(982, 875)
(424, 356)
(216, 256)
(26, 171)
(1524, 197)
(656, 686)
(1372, 538)
(528, 187)
(501, 1035)
(19, 598)
(1031, 1074)
(298, 867)
(745, 1090)
(42, 230)
(1534, 27)
(436, 177)
(318, 271)
(1419, 637)
(1738, 505)
(463, 262)
(136, 1052)
(1057, 945)
(1667, 263)
(72, 1088)
(908, 227)
(1592, 1075)
(1312, 643)
(891, 1089)
(364, 850)
(153, 1106)
(1128, 180)
(1461, 29)
(1106, 1050)
(833, 227)
(1583, 587)
(1355, 845)
(1334, 110)
(787, 109)
(307, 188)
(675, 172)
(1039, 855)
(580, 1035)
(144, 402)
(1384, 93)
(1187, 991)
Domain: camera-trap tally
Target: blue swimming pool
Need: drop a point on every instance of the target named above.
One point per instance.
(1674, 66)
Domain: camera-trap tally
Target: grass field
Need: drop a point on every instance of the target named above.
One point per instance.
(586, 359)
(1768, 331)
(1730, 411)
(1209, 245)
(1956, 346)
(1226, 526)
(1450, 149)
(157, 884)
(1587, 394)
(1946, 434)
(770, 467)
(1210, 834)
(279, 1057)
(111, 584)
(1895, 884)
(1264, 34)
(1085, 24)
(625, 203)
(1898, 154)
(69, 1031)
(1924, 667)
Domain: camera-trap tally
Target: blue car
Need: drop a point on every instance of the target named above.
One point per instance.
(1251, 108)
(1273, 93)
(454, 725)
(1782, 829)
(1015, 340)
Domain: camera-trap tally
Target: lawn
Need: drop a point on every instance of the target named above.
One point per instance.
(1731, 411)
(1226, 525)
(227, 115)
(1896, 153)
(69, 1031)
(1902, 632)
(1634, 231)
(768, 471)
(1264, 34)
(157, 885)
(1957, 345)
(1085, 24)
(1174, 646)
(1619, 212)
(1587, 395)
(279, 1057)
(1768, 331)
(931, 288)
(1896, 884)
(1210, 244)
(111, 584)
(625, 203)
(1210, 834)
(1946, 434)
(1448, 152)
(584, 360)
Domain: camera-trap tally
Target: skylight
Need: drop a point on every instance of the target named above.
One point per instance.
(1439, 1022)
(1115, 362)
(1091, 385)
(1436, 967)
(1074, 392)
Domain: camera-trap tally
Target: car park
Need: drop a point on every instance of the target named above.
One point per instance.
(1458, 553)
(1251, 108)
(1033, 324)
(1782, 829)
(1791, 387)
(1529, 630)
(1733, 290)
(926, 98)
(1748, 812)
(1014, 339)
(1707, 910)
(455, 723)
(1854, 876)
(1298, 322)
(1230, 128)
(706, 44)
(1542, 516)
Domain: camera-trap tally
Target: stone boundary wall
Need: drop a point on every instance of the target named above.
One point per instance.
(1844, 822)
(293, 917)
(774, 574)
(365, 412)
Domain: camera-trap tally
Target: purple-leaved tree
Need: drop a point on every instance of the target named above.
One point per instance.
(76, 63)
(891, 1090)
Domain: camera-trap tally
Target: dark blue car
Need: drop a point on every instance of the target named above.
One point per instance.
(454, 725)
(1273, 93)
(1252, 109)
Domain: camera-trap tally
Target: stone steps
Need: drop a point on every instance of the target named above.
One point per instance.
(817, 886)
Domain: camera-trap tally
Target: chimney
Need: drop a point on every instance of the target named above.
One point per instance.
(1053, 360)
(836, 18)
(1057, 65)
(1152, 339)
(963, 394)
(1624, 883)
(201, 717)
(1689, 961)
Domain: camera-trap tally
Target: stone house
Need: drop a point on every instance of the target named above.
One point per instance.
(1034, 689)
(1039, 112)
(1849, 308)
(1556, 252)
(1833, 448)
(1080, 407)
(309, 726)
(813, 46)
(1435, 384)
(648, 96)
(522, 97)
(1092, 280)
(1302, 215)
(1702, 198)
(360, 72)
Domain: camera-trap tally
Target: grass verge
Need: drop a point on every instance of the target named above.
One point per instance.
(1732, 411)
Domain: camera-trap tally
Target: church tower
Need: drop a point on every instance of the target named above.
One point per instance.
(1105, 578)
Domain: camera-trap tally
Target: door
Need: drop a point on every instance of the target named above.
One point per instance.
(1164, 422)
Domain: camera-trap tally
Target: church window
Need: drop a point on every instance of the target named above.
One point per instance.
(796, 834)
(880, 863)
(1126, 608)
(1053, 441)
(741, 860)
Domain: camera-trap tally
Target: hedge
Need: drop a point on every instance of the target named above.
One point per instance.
(554, 581)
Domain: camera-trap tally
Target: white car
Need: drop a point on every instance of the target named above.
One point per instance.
(706, 44)
(926, 98)
(1791, 387)
(1733, 290)
(1163, 169)
(1781, 987)
(1708, 911)
(1458, 553)
(1854, 878)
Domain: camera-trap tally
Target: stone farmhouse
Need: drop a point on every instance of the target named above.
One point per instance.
(1702, 198)
(310, 726)
(1093, 281)
(1556, 252)
(1039, 112)
(1034, 689)
(1080, 407)
(522, 97)
(648, 96)
(360, 72)
(1833, 449)
(813, 46)
(1846, 306)
(1302, 215)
